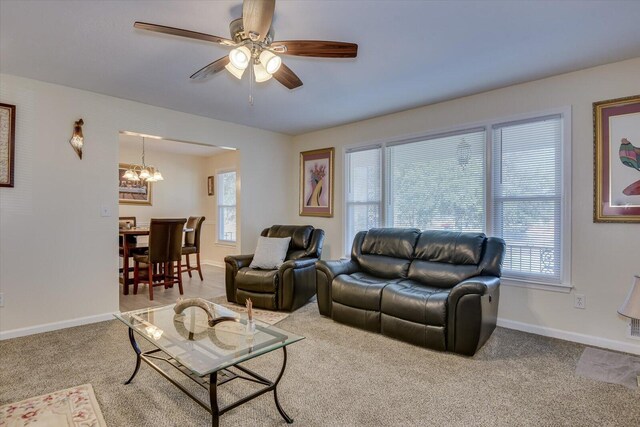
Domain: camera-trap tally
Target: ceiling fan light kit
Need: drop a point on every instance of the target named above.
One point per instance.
(252, 42)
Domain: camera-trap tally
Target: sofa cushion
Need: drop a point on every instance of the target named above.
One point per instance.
(391, 242)
(409, 300)
(440, 274)
(250, 279)
(358, 290)
(450, 246)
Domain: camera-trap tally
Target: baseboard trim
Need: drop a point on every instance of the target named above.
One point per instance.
(212, 263)
(48, 327)
(571, 336)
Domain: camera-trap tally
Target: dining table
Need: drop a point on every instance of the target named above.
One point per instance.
(127, 245)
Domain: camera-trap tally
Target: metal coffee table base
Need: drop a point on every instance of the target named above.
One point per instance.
(215, 380)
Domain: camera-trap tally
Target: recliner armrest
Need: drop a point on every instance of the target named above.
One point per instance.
(336, 268)
(239, 261)
(297, 263)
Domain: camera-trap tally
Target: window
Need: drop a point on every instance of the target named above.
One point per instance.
(507, 179)
(527, 197)
(227, 207)
(364, 191)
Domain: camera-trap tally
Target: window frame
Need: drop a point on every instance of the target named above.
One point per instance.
(219, 206)
(565, 114)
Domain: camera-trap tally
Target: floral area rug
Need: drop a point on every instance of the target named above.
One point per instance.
(266, 316)
(76, 406)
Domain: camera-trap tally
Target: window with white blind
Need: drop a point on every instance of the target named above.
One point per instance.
(506, 178)
(364, 191)
(226, 207)
(527, 197)
(438, 183)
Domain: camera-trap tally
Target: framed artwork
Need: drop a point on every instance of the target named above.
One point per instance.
(211, 189)
(316, 182)
(7, 144)
(616, 124)
(132, 192)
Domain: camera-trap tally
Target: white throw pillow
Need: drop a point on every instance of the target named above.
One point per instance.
(270, 252)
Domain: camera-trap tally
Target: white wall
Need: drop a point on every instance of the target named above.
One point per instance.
(605, 256)
(58, 256)
(183, 192)
(213, 252)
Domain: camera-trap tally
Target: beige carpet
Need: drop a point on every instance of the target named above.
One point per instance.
(73, 407)
(337, 376)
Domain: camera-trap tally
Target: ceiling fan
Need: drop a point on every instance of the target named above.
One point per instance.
(253, 44)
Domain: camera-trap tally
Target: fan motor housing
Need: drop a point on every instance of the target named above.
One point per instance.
(236, 28)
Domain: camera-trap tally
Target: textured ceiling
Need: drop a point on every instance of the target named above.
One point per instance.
(411, 53)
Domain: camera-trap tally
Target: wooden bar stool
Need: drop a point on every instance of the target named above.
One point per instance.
(165, 248)
(192, 244)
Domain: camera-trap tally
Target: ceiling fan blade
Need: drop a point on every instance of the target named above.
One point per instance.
(214, 67)
(256, 18)
(287, 77)
(183, 33)
(316, 48)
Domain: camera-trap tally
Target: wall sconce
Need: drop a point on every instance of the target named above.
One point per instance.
(77, 140)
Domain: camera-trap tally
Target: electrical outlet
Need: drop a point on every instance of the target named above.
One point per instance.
(580, 301)
(1, 299)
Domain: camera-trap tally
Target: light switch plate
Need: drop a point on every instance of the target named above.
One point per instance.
(105, 211)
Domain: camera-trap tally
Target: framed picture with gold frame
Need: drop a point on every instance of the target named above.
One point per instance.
(133, 192)
(316, 182)
(616, 124)
(7, 144)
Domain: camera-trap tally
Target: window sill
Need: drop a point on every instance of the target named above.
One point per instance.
(564, 289)
(226, 243)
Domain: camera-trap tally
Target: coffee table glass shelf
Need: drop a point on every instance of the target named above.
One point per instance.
(209, 355)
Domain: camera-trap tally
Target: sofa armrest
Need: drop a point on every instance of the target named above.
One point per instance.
(335, 268)
(326, 271)
(238, 261)
(473, 311)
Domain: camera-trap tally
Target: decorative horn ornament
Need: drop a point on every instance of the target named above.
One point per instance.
(181, 304)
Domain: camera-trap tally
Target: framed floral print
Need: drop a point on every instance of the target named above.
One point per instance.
(616, 124)
(316, 182)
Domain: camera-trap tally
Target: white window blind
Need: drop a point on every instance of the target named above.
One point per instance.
(364, 192)
(227, 206)
(527, 197)
(438, 183)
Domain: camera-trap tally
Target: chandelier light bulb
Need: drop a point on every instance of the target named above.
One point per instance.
(144, 174)
(261, 73)
(270, 61)
(240, 57)
(157, 176)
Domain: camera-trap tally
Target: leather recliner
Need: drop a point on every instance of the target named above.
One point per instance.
(436, 289)
(286, 288)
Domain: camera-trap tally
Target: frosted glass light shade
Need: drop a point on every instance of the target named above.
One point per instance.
(128, 174)
(270, 61)
(236, 72)
(631, 305)
(260, 73)
(240, 57)
(144, 174)
(157, 176)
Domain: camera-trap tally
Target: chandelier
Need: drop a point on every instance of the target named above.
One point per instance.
(143, 172)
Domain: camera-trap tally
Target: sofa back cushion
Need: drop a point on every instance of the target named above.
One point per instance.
(445, 258)
(386, 252)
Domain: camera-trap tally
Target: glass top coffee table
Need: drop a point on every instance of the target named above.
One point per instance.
(186, 342)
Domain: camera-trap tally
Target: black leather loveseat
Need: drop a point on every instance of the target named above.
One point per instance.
(436, 289)
(286, 288)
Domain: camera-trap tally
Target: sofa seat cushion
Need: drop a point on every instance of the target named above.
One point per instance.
(412, 301)
(359, 290)
(254, 280)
